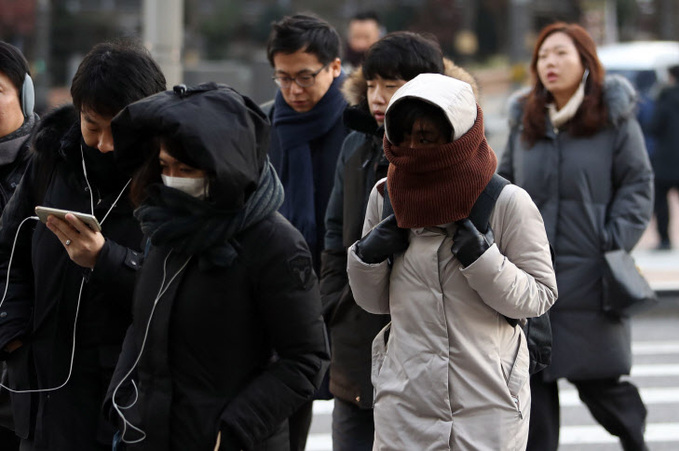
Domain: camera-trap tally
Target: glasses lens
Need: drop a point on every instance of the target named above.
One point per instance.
(283, 82)
(305, 80)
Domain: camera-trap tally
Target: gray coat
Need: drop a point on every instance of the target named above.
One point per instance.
(595, 194)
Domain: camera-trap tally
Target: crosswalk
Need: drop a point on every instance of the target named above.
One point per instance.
(655, 372)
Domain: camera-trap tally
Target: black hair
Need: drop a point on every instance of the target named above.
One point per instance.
(113, 75)
(403, 115)
(13, 64)
(149, 171)
(674, 72)
(304, 32)
(366, 15)
(403, 55)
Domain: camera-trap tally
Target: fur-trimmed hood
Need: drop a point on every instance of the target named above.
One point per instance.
(355, 87)
(620, 98)
(57, 128)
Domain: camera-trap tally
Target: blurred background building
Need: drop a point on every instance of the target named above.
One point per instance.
(223, 40)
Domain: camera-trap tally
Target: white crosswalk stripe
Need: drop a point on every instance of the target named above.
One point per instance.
(573, 436)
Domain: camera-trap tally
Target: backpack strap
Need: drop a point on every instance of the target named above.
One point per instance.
(483, 207)
(387, 209)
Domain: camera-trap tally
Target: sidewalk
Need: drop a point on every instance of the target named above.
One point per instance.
(661, 268)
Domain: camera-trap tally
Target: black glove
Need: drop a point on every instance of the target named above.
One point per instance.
(383, 241)
(469, 244)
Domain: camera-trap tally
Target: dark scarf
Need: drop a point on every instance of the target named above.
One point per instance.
(438, 185)
(11, 144)
(195, 227)
(295, 131)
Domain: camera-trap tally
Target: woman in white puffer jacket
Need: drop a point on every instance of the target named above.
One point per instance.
(451, 373)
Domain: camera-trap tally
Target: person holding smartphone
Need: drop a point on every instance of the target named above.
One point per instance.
(67, 305)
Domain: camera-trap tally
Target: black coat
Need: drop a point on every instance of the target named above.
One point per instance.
(665, 127)
(237, 348)
(230, 346)
(595, 194)
(42, 297)
(360, 165)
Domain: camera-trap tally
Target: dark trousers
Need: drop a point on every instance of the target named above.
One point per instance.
(8, 440)
(615, 404)
(353, 428)
(661, 208)
(299, 423)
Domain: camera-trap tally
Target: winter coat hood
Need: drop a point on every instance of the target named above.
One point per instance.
(56, 128)
(620, 98)
(224, 132)
(458, 104)
(357, 116)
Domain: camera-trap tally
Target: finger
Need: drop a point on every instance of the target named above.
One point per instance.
(466, 224)
(77, 224)
(59, 228)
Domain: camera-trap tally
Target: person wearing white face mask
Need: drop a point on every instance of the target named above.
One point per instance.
(227, 339)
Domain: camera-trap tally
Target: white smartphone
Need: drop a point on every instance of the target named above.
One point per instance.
(90, 220)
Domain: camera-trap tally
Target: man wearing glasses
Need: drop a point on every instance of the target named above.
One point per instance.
(306, 137)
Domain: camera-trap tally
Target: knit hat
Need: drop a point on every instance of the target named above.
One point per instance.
(439, 184)
(454, 97)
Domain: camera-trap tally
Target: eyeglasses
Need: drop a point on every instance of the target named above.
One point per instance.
(303, 80)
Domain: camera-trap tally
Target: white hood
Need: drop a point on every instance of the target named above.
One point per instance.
(454, 97)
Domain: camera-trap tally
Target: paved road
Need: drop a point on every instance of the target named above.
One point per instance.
(655, 372)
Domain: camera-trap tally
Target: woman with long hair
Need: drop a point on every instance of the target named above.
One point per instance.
(578, 150)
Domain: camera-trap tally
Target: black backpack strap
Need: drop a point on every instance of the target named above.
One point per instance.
(483, 207)
(387, 209)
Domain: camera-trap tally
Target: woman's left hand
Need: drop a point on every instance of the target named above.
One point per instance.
(82, 243)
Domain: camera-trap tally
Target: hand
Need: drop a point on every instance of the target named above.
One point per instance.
(82, 243)
(219, 440)
(469, 243)
(13, 346)
(383, 241)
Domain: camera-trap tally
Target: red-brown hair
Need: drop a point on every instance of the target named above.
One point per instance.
(592, 114)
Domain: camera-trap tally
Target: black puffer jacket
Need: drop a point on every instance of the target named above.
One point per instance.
(665, 127)
(42, 297)
(595, 194)
(233, 347)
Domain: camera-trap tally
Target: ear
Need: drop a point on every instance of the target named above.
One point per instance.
(336, 67)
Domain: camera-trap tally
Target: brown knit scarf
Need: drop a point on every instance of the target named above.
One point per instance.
(439, 184)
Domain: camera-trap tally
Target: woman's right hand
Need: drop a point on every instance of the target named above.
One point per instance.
(383, 241)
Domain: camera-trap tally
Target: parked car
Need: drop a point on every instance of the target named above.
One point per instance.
(645, 64)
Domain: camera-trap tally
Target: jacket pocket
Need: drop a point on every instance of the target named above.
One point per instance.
(517, 376)
(379, 353)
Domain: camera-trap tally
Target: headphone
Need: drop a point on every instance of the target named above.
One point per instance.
(27, 96)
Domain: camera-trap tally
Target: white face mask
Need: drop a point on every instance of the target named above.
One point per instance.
(196, 187)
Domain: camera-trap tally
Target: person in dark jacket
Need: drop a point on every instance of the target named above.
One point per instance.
(389, 64)
(664, 127)
(227, 339)
(306, 137)
(577, 148)
(68, 302)
(17, 119)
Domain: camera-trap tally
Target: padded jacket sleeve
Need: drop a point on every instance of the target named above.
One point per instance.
(515, 276)
(370, 282)
(289, 301)
(17, 305)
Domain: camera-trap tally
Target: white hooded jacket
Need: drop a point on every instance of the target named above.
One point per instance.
(453, 373)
